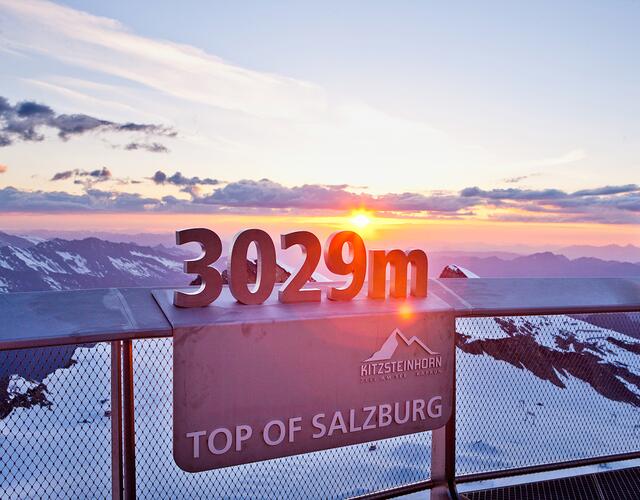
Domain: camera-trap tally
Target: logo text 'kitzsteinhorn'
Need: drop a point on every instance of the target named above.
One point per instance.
(399, 356)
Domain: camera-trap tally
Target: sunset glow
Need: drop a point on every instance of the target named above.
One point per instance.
(361, 219)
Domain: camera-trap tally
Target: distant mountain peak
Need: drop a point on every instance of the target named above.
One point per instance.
(454, 271)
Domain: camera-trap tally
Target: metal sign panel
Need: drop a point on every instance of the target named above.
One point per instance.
(246, 391)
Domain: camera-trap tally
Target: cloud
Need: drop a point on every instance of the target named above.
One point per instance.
(520, 178)
(606, 204)
(154, 147)
(265, 193)
(26, 120)
(3, 168)
(268, 194)
(179, 70)
(513, 194)
(515, 180)
(245, 194)
(416, 202)
(557, 197)
(15, 200)
(178, 179)
(607, 190)
(61, 176)
(98, 175)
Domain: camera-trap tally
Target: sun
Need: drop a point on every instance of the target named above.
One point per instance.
(360, 219)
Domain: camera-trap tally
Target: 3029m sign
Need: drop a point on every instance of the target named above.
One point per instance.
(357, 266)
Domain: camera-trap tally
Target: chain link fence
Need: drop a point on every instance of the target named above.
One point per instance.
(546, 389)
(531, 390)
(55, 425)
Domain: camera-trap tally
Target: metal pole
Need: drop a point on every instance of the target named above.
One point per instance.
(116, 421)
(443, 452)
(129, 422)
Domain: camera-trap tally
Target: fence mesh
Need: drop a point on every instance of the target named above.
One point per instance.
(55, 428)
(546, 389)
(337, 473)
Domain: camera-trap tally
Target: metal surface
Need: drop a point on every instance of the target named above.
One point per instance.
(226, 310)
(535, 469)
(570, 488)
(301, 385)
(524, 296)
(116, 420)
(443, 454)
(397, 492)
(38, 319)
(623, 483)
(611, 485)
(129, 432)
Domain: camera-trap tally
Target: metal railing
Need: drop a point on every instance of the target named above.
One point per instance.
(91, 414)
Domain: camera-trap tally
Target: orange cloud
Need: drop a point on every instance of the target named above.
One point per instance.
(3, 168)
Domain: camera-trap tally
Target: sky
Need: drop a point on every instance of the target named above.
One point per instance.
(499, 123)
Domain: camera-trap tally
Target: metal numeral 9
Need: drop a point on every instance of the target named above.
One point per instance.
(356, 266)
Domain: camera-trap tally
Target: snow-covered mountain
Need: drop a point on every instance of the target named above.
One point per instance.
(454, 271)
(555, 348)
(16, 241)
(90, 263)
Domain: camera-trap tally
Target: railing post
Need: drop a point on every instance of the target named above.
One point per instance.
(443, 453)
(116, 420)
(129, 422)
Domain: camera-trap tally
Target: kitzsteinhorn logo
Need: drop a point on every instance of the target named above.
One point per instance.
(399, 356)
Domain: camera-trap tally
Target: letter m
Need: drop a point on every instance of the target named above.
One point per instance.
(398, 261)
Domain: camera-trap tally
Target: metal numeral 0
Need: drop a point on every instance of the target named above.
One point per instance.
(265, 274)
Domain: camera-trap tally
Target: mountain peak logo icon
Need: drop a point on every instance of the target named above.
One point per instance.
(390, 346)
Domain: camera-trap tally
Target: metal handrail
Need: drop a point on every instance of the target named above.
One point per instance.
(55, 318)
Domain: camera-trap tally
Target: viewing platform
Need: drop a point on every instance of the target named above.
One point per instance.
(546, 383)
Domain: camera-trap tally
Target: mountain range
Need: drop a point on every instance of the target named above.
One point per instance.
(90, 263)
(538, 265)
(622, 253)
